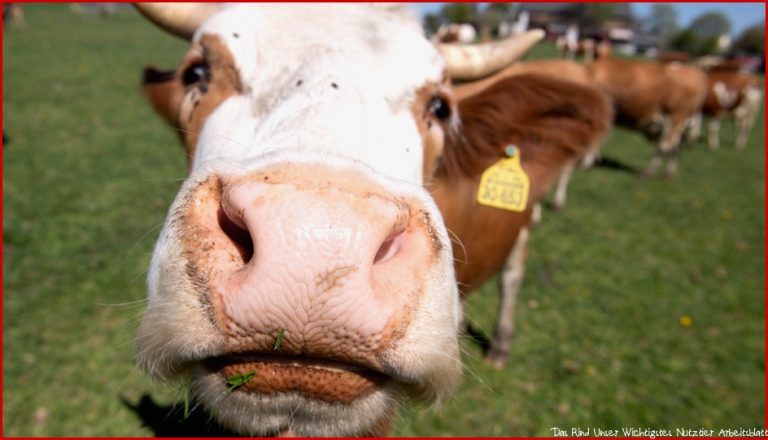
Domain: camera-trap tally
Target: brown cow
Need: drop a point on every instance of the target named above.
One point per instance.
(731, 93)
(671, 56)
(659, 99)
(552, 123)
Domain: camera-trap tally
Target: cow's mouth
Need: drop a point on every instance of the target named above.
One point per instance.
(326, 380)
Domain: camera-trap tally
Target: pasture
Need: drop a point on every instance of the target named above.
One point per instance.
(643, 303)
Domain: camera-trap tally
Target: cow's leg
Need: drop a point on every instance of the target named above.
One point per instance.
(511, 280)
(672, 158)
(744, 118)
(658, 126)
(746, 114)
(741, 127)
(653, 164)
(694, 128)
(589, 159)
(670, 144)
(561, 192)
(713, 136)
(536, 213)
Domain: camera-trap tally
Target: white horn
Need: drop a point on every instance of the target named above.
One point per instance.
(471, 61)
(180, 19)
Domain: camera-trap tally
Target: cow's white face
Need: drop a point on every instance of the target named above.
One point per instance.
(303, 250)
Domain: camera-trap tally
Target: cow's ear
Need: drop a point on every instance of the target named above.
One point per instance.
(552, 121)
(164, 92)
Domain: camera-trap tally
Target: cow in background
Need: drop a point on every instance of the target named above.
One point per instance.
(673, 56)
(455, 33)
(731, 93)
(568, 43)
(659, 99)
(13, 14)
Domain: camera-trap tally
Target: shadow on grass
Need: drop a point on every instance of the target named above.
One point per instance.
(612, 164)
(169, 420)
(478, 337)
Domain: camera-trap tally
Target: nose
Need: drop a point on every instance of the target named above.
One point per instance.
(331, 265)
(311, 228)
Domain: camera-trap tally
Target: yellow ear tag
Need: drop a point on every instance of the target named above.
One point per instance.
(504, 184)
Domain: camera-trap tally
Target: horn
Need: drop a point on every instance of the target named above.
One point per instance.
(180, 19)
(471, 61)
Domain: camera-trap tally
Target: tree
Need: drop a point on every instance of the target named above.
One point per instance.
(432, 23)
(662, 21)
(689, 41)
(752, 40)
(492, 16)
(459, 12)
(596, 14)
(501, 8)
(685, 40)
(711, 25)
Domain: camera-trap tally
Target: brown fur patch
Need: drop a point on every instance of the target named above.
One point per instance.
(186, 108)
(561, 69)
(635, 87)
(735, 82)
(431, 129)
(164, 92)
(225, 82)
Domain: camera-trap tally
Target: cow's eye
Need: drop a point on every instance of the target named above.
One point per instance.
(198, 72)
(440, 108)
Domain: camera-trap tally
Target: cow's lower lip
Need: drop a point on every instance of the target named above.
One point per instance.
(320, 379)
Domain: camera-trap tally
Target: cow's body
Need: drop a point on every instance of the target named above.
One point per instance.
(561, 69)
(303, 251)
(660, 99)
(552, 123)
(731, 93)
(455, 33)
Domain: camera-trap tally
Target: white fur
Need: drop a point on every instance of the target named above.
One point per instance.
(377, 62)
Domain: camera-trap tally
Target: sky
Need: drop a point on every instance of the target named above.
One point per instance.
(741, 15)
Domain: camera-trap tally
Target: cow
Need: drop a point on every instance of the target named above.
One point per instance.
(455, 33)
(13, 14)
(303, 281)
(731, 93)
(547, 124)
(673, 56)
(568, 43)
(659, 99)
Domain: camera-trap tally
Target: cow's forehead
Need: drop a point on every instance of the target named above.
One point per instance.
(338, 78)
(270, 40)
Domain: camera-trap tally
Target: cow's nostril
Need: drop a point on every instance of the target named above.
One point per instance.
(390, 247)
(240, 237)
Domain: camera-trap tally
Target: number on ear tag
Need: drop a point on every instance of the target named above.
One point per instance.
(504, 184)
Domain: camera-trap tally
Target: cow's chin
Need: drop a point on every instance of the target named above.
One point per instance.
(295, 396)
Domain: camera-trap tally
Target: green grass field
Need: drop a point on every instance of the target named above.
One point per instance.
(90, 171)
